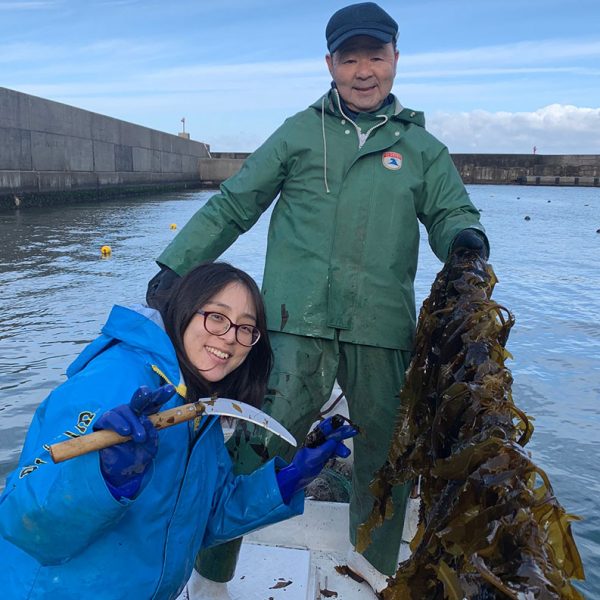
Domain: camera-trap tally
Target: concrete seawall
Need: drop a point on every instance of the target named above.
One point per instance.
(529, 169)
(516, 169)
(51, 152)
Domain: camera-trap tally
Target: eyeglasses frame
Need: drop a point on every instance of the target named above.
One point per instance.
(206, 313)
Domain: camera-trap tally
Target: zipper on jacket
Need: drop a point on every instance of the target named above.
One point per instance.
(181, 389)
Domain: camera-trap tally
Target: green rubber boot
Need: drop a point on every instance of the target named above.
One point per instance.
(218, 563)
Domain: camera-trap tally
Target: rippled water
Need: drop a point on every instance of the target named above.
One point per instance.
(56, 291)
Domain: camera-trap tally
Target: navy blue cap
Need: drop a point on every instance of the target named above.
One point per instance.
(365, 18)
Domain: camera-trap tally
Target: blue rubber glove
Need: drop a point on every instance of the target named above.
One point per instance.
(123, 466)
(309, 461)
(471, 239)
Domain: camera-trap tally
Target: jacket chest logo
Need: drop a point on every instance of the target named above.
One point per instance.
(391, 160)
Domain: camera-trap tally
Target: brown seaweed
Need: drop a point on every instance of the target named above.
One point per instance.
(490, 524)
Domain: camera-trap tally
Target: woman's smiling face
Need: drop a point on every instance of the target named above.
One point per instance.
(215, 356)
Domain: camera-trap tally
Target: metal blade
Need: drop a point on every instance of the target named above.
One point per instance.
(240, 410)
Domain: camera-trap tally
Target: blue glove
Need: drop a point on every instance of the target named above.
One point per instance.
(309, 461)
(123, 466)
(471, 239)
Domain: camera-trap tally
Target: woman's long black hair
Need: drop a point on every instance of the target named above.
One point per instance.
(248, 382)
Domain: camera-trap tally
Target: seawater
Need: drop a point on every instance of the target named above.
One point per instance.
(56, 292)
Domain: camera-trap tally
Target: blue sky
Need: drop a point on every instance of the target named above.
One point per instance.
(490, 75)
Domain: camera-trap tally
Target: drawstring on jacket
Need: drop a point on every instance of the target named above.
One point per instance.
(324, 144)
(362, 137)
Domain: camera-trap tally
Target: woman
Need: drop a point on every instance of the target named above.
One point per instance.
(128, 521)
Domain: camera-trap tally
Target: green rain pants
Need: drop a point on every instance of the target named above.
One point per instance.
(301, 382)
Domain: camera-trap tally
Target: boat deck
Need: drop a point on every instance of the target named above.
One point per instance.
(297, 559)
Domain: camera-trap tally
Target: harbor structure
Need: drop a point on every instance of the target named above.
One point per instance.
(52, 152)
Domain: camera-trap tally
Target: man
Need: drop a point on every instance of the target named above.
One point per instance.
(355, 173)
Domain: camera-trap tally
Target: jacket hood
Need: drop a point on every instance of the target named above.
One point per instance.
(141, 328)
(328, 102)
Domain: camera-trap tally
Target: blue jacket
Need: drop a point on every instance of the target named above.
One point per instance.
(65, 536)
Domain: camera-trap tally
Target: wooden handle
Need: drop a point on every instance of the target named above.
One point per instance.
(106, 437)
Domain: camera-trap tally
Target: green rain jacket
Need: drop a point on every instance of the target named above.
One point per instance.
(343, 237)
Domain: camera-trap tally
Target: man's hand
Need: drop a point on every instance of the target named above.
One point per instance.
(471, 239)
(159, 288)
(123, 466)
(308, 462)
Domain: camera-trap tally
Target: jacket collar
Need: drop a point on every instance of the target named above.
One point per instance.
(141, 328)
(396, 112)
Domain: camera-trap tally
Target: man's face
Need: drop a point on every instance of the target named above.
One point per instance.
(363, 70)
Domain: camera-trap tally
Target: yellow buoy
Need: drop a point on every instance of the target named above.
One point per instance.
(173, 226)
(105, 251)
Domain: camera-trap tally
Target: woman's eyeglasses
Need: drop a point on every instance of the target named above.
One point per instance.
(218, 324)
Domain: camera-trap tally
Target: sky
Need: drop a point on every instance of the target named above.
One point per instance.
(491, 75)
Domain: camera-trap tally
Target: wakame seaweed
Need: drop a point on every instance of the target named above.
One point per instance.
(490, 526)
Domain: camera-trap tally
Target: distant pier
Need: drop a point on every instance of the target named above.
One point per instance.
(530, 169)
(499, 169)
(53, 153)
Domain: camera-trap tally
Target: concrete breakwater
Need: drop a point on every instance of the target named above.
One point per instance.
(530, 169)
(51, 152)
(515, 169)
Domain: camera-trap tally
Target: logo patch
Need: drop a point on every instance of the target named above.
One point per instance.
(391, 160)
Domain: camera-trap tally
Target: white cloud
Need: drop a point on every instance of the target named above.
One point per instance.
(553, 129)
(27, 5)
(40, 58)
(118, 2)
(490, 57)
(498, 71)
(22, 53)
